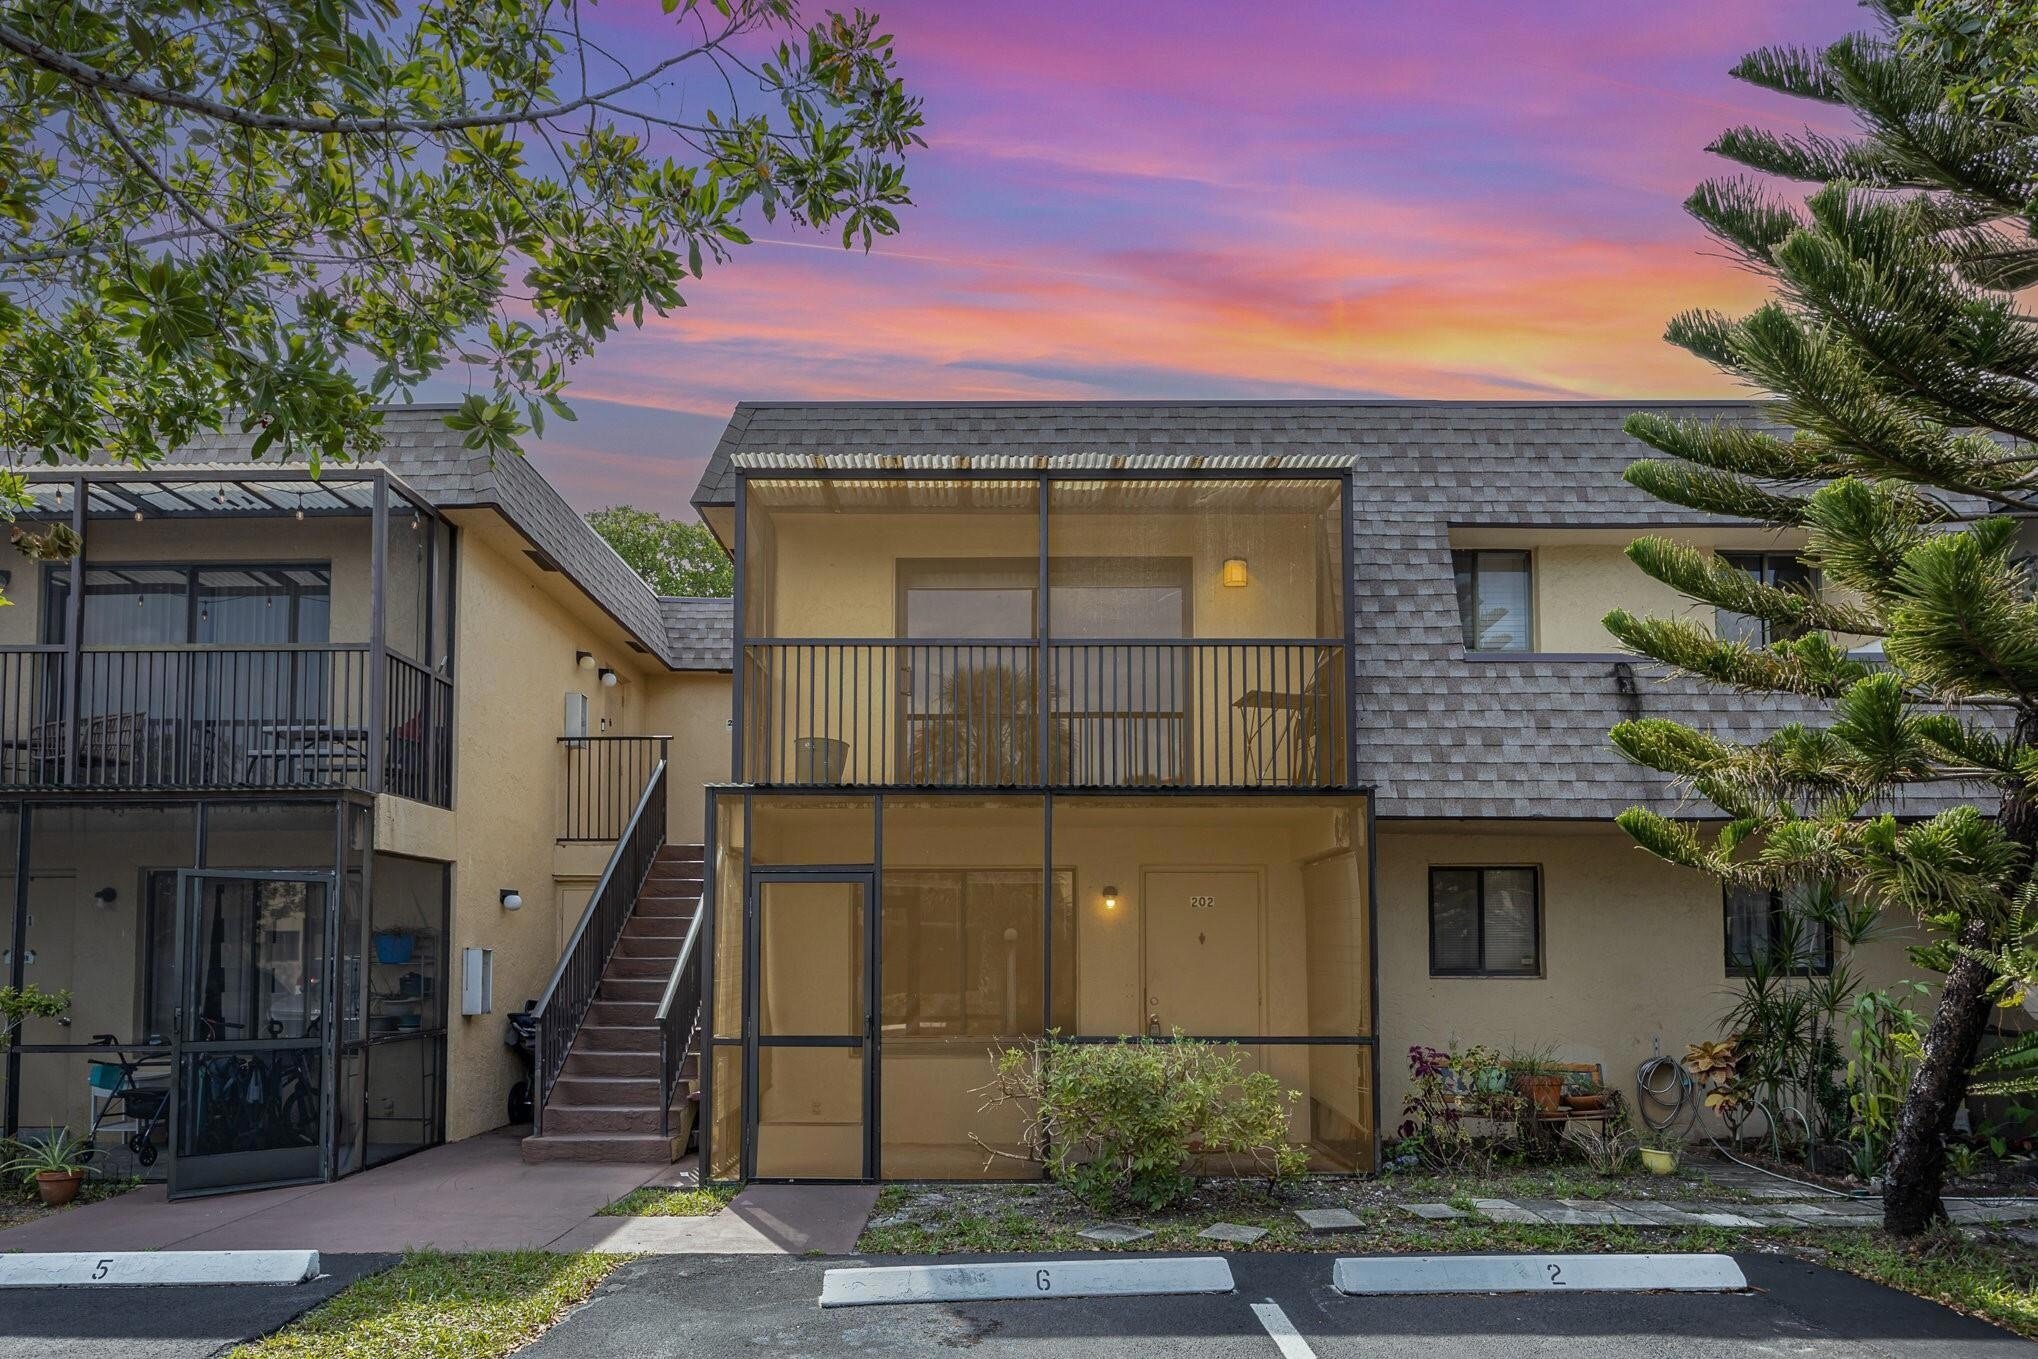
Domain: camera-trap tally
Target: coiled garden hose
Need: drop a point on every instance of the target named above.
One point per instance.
(1662, 1083)
(1651, 1089)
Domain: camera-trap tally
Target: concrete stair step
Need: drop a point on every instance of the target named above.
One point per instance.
(658, 908)
(616, 1038)
(637, 967)
(673, 927)
(600, 1062)
(631, 1148)
(567, 1119)
(594, 1090)
(637, 946)
(681, 853)
(616, 990)
(610, 1013)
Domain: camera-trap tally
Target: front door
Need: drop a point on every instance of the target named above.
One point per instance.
(811, 1026)
(1202, 952)
(250, 1030)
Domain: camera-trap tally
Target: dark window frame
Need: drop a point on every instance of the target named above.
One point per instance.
(57, 577)
(1466, 560)
(1736, 967)
(1480, 871)
(1762, 566)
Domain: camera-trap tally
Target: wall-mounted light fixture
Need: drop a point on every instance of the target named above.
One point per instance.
(106, 896)
(608, 678)
(511, 899)
(1234, 573)
(1110, 898)
(584, 659)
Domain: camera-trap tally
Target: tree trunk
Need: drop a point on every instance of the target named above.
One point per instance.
(1917, 1155)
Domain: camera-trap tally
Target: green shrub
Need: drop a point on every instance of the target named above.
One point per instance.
(1124, 1123)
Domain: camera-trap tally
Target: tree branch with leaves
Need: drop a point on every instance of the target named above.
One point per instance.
(280, 214)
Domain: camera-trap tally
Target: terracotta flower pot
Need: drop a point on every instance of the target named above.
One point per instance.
(58, 1187)
(1545, 1092)
(1586, 1104)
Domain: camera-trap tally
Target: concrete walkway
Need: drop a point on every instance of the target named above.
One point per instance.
(465, 1196)
(765, 1219)
(471, 1195)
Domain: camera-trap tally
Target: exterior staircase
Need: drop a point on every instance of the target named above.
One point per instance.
(604, 1106)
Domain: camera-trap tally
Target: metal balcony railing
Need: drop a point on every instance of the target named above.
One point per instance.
(602, 780)
(205, 717)
(1088, 714)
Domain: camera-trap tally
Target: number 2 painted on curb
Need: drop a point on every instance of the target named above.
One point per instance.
(1042, 1282)
(1556, 1276)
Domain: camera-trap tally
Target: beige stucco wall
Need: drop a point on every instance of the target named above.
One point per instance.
(1576, 586)
(1633, 952)
(693, 708)
(516, 645)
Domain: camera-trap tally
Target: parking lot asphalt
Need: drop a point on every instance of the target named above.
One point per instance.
(163, 1323)
(701, 1307)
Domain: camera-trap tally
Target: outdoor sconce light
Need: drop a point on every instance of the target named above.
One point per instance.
(106, 896)
(1234, 573)
(608, 678)
(511, 898)
(1110, 898)
(584, 659)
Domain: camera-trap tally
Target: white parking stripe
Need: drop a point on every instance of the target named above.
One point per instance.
(1277, 1325)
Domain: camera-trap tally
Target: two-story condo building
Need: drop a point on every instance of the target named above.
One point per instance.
(1283, 723)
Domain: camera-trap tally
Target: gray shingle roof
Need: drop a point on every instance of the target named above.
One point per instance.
(700, 633)
(432, 460)
(1440, 735)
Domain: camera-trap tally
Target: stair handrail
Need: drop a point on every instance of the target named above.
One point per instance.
(560, 1010)
(678, 1019)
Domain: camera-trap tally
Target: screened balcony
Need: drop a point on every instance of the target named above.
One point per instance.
(1079, 631)
(218, 630)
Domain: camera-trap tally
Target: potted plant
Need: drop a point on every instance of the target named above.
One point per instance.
(54, 1164)
(1585, 1095)
(1660, 1149)
(1534, 1074)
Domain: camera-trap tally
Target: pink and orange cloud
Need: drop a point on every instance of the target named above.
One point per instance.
(1206, 199)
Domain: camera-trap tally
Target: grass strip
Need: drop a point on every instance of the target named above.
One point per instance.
(671, 1202)
(438, 1306)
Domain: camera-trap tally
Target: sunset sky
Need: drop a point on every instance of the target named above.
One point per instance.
(1228, 200)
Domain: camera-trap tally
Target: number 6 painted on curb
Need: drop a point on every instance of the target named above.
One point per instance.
(1042, 1282)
